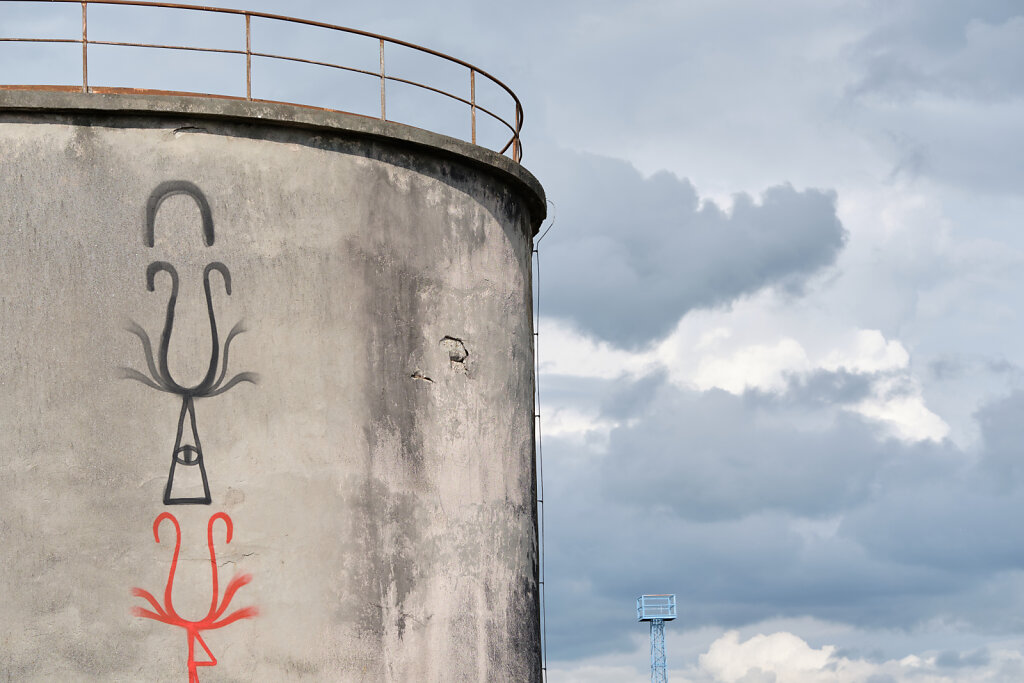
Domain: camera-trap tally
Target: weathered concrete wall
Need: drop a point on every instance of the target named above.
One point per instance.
(380, 473)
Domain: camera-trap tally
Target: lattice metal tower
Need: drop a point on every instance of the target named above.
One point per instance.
(657, 609)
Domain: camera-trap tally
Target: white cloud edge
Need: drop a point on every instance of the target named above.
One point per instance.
(781, 656)
(742, 349)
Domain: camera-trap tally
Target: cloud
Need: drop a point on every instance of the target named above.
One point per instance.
(761, 345)
(635, 254)
(951, 514)
(709, 456)
(1003, 433)
(940, 88)
(898, 404)
(966, 51)
(748, 515)
(778, 652)
(784, 657)
(779, 656)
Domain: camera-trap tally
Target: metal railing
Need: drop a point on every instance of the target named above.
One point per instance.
(658, 606)
(512, 146)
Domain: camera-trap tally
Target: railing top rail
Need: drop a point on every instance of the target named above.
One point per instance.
(515, 127)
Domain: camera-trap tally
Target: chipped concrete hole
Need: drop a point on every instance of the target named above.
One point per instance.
(457, 353)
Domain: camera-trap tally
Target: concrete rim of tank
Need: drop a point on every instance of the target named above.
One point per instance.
(287, 115)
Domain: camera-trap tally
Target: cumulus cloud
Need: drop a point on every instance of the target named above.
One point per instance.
(899, 405)
(778, 656)
(760, 654)
(750, 348)
(806, 458)
(634, 254)
(784, 657)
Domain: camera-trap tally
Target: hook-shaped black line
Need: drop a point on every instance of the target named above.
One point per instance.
(210, 380)
(165, 336)
(169, 189)
(211, 373)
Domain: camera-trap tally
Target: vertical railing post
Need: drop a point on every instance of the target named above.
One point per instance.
(472, 98)
(518, 156)
(516, 151)
(85, 48)
(383, 110)
(248, 57)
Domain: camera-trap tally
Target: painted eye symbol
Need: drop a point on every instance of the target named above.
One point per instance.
(187, 450)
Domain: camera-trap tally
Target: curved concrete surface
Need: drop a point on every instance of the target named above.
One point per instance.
(378, 474)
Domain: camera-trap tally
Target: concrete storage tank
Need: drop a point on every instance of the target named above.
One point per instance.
(282, 344)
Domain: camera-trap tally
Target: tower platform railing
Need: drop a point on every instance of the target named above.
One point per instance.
(258, 53)
(657, 609)
(659, 606)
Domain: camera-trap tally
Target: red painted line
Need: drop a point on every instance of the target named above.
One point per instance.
(166, 613)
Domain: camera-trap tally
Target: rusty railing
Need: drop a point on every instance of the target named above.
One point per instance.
(512, 146)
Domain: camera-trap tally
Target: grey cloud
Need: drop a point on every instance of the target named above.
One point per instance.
(970, 49)
(585, 394)
(950, 659)
(953, 513)
(1001, 366)
(939, 86)
(819, 388)
(745, 518)
(949, 525)
(630, 399)
(634, 254)
(946, 368)
(602, 554)
(708, 456)
(1003, 432)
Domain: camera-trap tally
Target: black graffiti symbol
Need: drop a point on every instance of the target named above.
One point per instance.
(169, 189)
(188, 453)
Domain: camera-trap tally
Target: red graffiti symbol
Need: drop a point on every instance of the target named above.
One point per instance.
(213, 620)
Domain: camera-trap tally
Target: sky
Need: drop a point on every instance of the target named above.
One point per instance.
(778, 321)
